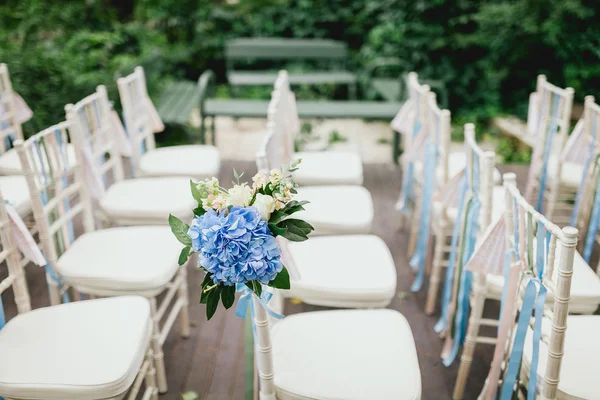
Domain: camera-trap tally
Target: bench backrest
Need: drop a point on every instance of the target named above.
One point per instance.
(285, 49)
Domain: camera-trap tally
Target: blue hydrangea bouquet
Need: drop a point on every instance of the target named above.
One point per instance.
(234, 230)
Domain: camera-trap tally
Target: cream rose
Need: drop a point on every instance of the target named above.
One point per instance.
(265, 205)
(240, 195)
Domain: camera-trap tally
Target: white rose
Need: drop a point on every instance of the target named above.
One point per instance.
(240, 195)
(265, 205)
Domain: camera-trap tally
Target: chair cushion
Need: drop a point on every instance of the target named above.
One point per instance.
(149, 200)
(578, 372)
(83, 350)
(195, 161)
(570, 173)
(10, 164)
(346, 354)
(125, 259)
(498, 196)
(585, 286)
(331, 275)
(15, 190)
(329, 168)
(337, 209)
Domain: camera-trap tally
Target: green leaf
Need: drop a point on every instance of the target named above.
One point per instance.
(199, 211)
(282, 280)
(190, 396)
(294, 206)
(277, 216)
(255, 286)
(180, 229)
(297, 230)
(277, 231)
(205, 283)
(228, 296)
(184, 255)
(196, 193)
(212, 302)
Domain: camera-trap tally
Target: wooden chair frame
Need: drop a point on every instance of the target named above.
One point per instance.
(10, 127)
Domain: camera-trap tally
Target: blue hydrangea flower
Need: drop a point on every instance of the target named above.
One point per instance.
(236, 246)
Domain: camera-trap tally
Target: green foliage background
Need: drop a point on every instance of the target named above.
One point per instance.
(487, 52)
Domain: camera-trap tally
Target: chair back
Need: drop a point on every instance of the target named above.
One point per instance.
(10, 127)
(9, 254)
(418, 95)
(139, 114)
(287, 112)
(551, 133)
(57, 189)
(92, 134)
(438, 129)
(544, 252)
(272, 153)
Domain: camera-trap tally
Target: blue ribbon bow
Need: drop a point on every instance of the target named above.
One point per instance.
(245, 301)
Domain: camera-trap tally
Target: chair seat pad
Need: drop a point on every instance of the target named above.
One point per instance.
(83, 350)
(10, 164)
(585, 286)
(457, 161)
(16, 192)
(570, 173)
(195, 161)
(578, 372)
(123, 259)
(329, 168)
(337, 209)
(326, 355)
(149, 200)
(332, 268)
(498, 198)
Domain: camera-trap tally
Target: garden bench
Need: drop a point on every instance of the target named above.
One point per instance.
(329, 57)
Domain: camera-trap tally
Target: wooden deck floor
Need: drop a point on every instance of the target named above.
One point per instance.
(211, 361)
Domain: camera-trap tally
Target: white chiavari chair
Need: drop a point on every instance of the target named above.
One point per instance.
(318, 355)
(95, 349)
(139, 201)
(551, 178)
(142, 122)
(333, 210)
(446, 207)
(542, 259)
(106, 262)
(342, 167)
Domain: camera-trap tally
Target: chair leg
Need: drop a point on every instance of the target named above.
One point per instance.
(436, 270)
(151, 376)
(184, 314)
(159, 361)
(471, 338)
(53, 291)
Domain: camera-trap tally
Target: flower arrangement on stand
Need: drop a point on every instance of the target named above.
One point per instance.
(234, 231)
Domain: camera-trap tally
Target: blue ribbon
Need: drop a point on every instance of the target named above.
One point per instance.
(246, 300)
(442, 323)
(2, 317)
(533, 298)
(408, 179)
(593, 226)
(582, 184)
(63, 153)
(419, 258)
(540, 250)
(546, 155)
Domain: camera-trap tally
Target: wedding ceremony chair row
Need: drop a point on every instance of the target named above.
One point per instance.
(318, 168)
(106, 262)
(449, 214)
(322, 270)
(142, 122)
(109, 337)
(333, 210)
(137, 201)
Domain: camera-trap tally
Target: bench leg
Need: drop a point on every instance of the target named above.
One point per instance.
(396, 147)
(352, 90)
(213, 131)
(202, 130)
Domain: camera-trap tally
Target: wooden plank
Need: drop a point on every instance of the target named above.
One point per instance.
(306, 109)
(284, 48)
(255, 78)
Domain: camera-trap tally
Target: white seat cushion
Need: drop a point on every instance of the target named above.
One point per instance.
(346, 354)
(125, 259)
(330, 271)
(10, 164)
(149, 200)
(498, 196)
(456, 163)
(585, 286)
(578, 372)
(570, 173)
(337, 209)
(329, 168)
(83, 350)
(197, 161)
(15, 191)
